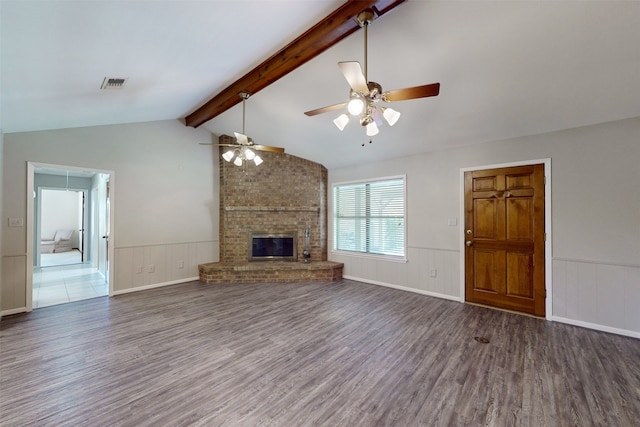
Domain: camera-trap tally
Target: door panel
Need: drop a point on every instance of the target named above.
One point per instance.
(484, 222)
(486, 183)
(504, 253)
(514, 182)
(485, 270)
(519, 212)
(519, 274)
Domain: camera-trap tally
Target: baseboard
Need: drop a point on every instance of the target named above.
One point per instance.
(405, 288)
(596, 326)
(13, 311)
(155, 285)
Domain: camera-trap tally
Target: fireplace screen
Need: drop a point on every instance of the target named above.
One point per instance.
(272, 247)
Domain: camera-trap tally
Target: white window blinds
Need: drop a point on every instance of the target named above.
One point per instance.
(369, 217)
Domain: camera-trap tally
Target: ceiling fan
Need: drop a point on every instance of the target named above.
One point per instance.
(365, 96)
(244, 149)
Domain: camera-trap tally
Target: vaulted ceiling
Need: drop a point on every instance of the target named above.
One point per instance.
(506, 69)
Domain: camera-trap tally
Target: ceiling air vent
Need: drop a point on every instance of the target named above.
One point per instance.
(113, 83)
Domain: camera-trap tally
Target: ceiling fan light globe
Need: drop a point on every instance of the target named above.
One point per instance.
(228, 156)
(391, 116)
(341, 121)
(372, 129)
(355, 106)
(237, 161)
(249, 154)
(257, 160)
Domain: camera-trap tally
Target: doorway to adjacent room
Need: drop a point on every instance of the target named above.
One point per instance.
(68, 234)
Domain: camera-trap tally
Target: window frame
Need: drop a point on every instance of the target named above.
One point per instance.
(361, 254)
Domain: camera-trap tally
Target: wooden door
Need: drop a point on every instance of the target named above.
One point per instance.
(504, 237)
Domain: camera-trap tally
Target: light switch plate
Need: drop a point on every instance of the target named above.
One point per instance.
(16, 222)
(452, 222)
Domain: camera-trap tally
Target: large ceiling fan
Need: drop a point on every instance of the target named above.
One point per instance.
(365, 96)
(243, 149)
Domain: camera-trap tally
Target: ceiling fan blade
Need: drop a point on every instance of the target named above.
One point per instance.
(251, 145)
(353, 73)
(242, 139)
(412, 92)
(267, 148)
(326, 109)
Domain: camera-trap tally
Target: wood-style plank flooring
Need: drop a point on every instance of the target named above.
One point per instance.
(307, 354)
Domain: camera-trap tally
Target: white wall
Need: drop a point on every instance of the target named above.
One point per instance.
(166, 193)
(595, 220)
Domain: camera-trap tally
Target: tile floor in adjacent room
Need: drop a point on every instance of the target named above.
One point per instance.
(67, 283)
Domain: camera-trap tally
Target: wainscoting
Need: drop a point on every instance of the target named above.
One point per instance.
(14, 269)
(597, 295)
(145, 267)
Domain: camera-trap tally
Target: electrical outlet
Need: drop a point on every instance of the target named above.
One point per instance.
(152, 268)
(433, 272)
(180, 264)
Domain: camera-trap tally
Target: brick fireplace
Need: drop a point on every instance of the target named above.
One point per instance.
(284, 195)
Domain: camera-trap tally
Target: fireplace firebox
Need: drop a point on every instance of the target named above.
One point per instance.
(272, 246)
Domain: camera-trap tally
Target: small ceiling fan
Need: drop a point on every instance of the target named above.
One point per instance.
(244, 149)
(365, 96)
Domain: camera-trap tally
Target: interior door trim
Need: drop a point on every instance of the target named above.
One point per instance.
(547, 226)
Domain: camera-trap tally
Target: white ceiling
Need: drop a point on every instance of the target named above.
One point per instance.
(506, 68)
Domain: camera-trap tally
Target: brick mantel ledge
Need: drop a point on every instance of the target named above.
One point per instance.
(270, 271)
(268, 209)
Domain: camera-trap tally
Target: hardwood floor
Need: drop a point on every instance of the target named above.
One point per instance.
(303, 354)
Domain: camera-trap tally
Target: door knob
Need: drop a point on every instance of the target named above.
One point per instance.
(468, 243)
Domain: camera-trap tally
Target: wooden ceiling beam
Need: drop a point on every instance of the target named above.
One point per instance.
(326, 33)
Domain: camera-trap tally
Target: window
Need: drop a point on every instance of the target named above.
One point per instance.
(369, 217)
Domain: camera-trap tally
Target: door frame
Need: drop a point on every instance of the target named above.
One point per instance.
(548, 255)
(31, 167)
